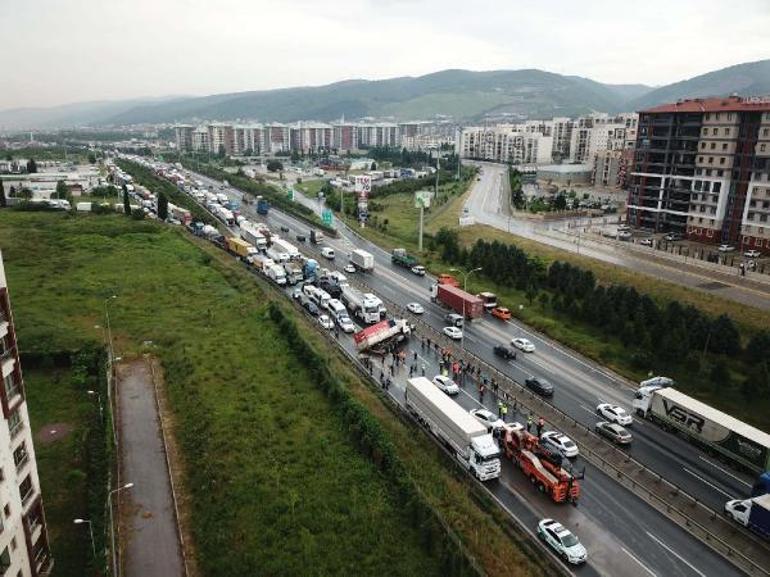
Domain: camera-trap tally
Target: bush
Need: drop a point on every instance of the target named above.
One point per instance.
(137, 214)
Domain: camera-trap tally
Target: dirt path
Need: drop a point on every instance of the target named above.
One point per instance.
(149, 536)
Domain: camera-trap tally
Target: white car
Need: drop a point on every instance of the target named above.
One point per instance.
(752, 254)
(325, 322)
(346, 324)
(614, 414)
(559, 443)
(350, 268)
(415, 308)
(328, 252)
(453, 333)
(561, 540)
(446, 384)
(523, 344)
(418, 269)
(726, 248)
(488, 419)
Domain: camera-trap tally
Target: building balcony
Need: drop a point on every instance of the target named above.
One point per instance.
(4, 326)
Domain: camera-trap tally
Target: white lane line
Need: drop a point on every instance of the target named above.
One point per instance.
(675, 554)
(582, 406)
(726, 472)
(702, 480)
(643, 566)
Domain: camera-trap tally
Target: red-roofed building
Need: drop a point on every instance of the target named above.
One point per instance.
(702, 168)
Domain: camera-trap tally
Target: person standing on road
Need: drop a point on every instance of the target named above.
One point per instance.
(499, 408)
(540, 425)
(415, 355)
(423, 369)
(504, 411)
(529, 423)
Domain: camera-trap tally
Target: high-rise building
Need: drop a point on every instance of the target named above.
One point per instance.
(24, 549)
(184, 137)
(702, 168)
(505, 143)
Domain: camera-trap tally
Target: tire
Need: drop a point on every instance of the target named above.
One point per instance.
(541, 487)
(533, 479)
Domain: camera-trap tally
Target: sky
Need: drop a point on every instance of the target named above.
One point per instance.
(68, 51)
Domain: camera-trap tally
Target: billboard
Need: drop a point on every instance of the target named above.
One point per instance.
(363, 186)
(422, 198)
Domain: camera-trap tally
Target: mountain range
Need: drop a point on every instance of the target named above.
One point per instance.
(464, 95)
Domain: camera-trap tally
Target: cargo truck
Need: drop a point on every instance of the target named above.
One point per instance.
(276, 273)
(293, 273)
(359, 305)
(262, 205)
(362, 260)
(752, 513)
(489, 300)
(316, 236)
(400, 257)
(377, 336)
(737, 442)
(468, 439)
(285, 246)
(251, 234)
(542, 467)
(471, 306)
(240, 247)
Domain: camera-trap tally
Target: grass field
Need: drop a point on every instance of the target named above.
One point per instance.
(311, 188)
(277, 486)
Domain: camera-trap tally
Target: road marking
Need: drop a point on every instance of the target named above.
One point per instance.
(726, 472)
(650, 571)
(675, 554)
(592, 411)
(702, 480)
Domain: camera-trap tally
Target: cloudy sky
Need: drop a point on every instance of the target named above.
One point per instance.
(62, 51)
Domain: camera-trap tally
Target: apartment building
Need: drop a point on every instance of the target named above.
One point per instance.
(591, 134)
(184, 137)
(24, 548)
(701, 168)
(311, 137)
(345, 137)
(505, 143)
(561, 130)
(200, 139)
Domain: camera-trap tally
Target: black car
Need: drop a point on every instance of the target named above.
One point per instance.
(301, 237)
(505, 352)
(311, 307)
(331, 286)
(540, 386)
(284, 229)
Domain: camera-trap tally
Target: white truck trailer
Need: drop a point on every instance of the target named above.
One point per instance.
(252, 235)
(363, 308)
(276, 273)
(752, 513)
(739, 443)
(473, 446)
(285, 246)
(293, 272)
(362, 260)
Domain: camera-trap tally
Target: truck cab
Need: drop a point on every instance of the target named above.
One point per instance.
(643, 399)
(483, 458)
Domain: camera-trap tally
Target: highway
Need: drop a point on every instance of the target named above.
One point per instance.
(487, 204)
(624, 535)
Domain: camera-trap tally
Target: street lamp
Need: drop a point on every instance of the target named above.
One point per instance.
(112, 526)
(98, 400)
(90, 532)
(465, 288)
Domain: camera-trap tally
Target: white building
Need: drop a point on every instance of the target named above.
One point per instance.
(507, 143)
(591, 134)
(24, 549)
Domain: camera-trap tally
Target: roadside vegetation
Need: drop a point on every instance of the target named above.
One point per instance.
(283, 478)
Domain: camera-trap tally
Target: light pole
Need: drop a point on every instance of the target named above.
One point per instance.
(465, 288)
(90, 532)
(112, 527)
(98, 400)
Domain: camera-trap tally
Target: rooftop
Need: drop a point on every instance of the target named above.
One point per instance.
(726, 104)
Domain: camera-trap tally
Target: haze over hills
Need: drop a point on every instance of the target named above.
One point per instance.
(464, 95)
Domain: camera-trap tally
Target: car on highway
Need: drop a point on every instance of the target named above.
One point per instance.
(614, 414)
(673, 236)
(296, 293)
(311, 307)
(446, 385)
(501, 313)
(752, 254)
(559, 443)
(505, 352)
(418, 269)
(327, 252)
(325, 322)
(561, 540)
(284, 229)
(613, 432)
(350, 268)
(523, 344)
(646, 241)
(539, 386)
(453, 333)
(488, 419)
(415, 308)
(346, 324)
(726, 248)
(454, 319)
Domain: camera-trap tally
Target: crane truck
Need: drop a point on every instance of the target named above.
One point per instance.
(457, 429)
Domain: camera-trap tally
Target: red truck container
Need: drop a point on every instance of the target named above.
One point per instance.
(448, 279)
(459, 300)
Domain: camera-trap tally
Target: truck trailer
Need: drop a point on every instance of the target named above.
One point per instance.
(361, 307)
(400, 257)
(293, 272)
(468, 439)
(251, 234)
(739, 443)
(458, 300)
(362, 260)
(240, 247)
(752, 513)
(286, 247)
(383, 333)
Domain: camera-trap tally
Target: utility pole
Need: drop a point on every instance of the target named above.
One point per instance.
(422, 216)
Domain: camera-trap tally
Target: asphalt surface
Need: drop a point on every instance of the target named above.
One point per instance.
(624, 535)
(150, 539)
(488, 205)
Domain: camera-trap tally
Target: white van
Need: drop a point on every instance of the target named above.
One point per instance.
(328, 252)
(336, 307)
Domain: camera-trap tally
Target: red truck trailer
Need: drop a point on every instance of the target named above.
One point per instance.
(458, 300)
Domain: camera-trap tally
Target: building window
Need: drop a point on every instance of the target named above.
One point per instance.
(5, 561)
(714, 131)
(13, 544)
(721, 160)
(15, 423)
(703, 145)
(717, 186)
(719, 115)
(11, 387)
(20, 456)
(713, 145)
(761, 148)
(708, 116)
(26, 489)
(724, 146)
(720, 172)
(727, 132)
(711, 160)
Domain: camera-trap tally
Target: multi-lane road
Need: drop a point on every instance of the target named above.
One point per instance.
(624, 534)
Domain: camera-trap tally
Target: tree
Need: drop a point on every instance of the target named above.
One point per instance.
(162, 206)
(374, 166)
(126, 203)
(274, 165)
(25, 193)
(560, 203)
(62, 190)
(3, 201)
(295, 156)
(91, 158)
(31, 166)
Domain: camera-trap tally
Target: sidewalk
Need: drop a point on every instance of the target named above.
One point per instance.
(149, 537)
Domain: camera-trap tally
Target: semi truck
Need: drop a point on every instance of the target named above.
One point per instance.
(293, 273)
(362, 260)
(316, 236)
(285, 246)
(737, 442)
(262, 205)
(310, 269)
(488, 299)
(363, 308)
(249, 233)
(463, 303)
(383, 333)
(275, 273)
(457, 429)
(240, 247)
(400, 257)
(752, 513)
(542, 467)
